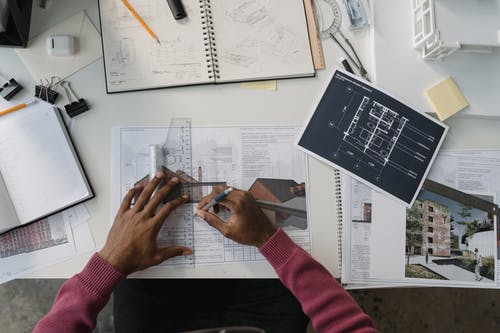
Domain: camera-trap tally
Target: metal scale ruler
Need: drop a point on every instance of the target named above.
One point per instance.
(178, 152)
(175, 154)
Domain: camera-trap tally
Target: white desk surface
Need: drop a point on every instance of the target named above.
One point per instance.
(206, 105)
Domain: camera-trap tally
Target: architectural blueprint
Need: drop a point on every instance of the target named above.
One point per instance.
(373, 137)
(262, 160)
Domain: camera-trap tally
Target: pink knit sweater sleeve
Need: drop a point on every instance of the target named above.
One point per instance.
(81, 298)
(323, 299)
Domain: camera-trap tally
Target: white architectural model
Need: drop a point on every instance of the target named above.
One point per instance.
(441, 27)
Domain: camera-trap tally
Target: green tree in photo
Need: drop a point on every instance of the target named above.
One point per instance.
(474, 225)
(414, 224)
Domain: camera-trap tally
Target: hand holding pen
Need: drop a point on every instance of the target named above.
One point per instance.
(247, 224)
(218, 198)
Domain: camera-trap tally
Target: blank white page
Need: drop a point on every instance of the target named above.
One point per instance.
(7, 212)
(261, 39)
(39, 168)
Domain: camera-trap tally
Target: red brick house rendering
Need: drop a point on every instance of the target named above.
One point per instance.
(186, 180)
(285, 200)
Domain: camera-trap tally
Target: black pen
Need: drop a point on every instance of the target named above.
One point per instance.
(177, 9)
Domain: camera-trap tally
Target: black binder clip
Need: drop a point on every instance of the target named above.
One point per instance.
(9, 88)
(47, 92)
(76, 105)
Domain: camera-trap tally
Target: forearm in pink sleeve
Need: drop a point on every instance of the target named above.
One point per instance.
(81, 298)
(323, 299)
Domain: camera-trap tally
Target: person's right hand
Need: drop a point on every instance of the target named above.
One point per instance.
(247, 225)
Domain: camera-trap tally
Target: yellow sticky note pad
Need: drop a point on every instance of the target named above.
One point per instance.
(260, 85)
(446, 98)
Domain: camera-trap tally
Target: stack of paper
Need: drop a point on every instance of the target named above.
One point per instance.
(441, 240)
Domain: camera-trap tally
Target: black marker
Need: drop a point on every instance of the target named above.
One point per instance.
(346, 65)
(177, 9)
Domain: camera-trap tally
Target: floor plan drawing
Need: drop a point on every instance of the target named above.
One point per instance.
(373, 136)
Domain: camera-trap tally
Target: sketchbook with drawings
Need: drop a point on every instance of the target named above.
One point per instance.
(218, 42)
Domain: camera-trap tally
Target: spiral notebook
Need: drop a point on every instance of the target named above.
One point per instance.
(218, 42)
(339, 217)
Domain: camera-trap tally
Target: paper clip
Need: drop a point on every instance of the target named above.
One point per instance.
(75, 105)
(46, 91)
(9, 88)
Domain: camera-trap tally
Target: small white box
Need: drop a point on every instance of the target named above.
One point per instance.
(61, 45)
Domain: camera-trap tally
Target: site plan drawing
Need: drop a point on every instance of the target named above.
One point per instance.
(261, 160)
(373, 137)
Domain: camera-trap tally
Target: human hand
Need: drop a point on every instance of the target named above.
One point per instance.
(131, 244)
(247, 225)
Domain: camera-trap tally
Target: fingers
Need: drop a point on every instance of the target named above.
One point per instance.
(215, 221)
(230, 205)
(160, 195)
(165, 211)
(216, 190)
(127, 201)
(148, 191)
(172, 251)
(206, 199)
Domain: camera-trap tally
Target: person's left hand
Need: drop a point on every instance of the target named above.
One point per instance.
(131, 244)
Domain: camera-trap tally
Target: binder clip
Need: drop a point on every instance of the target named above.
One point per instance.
(76, 105)
(46, 91)
(9, 88)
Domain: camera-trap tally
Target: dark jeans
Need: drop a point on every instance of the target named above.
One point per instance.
(185, 304)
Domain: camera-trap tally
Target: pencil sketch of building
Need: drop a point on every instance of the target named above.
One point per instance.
(442, 27)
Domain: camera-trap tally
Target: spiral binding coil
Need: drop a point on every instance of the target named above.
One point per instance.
(209, 39)
(338, 199)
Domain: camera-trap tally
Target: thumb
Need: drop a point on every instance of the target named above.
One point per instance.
(173, 251)
(213, 220)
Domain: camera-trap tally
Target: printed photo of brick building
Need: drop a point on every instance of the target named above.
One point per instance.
(32, 237)
(445, 234)
(436, 236)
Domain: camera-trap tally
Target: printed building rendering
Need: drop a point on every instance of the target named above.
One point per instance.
(32, 237)
(436, 235)
(284, 200)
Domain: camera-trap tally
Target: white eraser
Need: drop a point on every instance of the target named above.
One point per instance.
(61, 45)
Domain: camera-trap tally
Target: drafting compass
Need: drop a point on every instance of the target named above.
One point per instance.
(329, 17)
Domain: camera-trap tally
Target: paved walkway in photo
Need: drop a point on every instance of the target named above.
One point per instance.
(451, 272)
